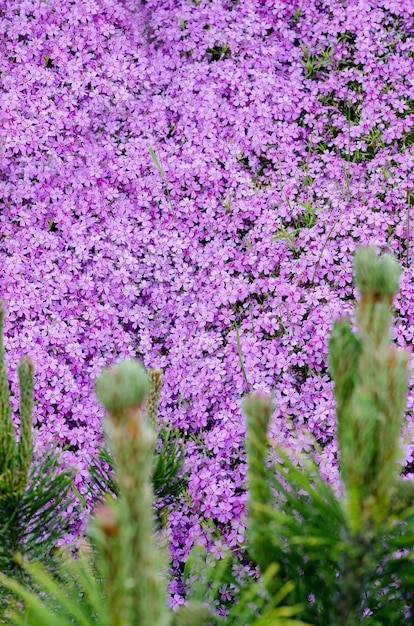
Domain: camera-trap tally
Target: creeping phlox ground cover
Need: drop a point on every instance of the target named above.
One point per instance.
(186, 183)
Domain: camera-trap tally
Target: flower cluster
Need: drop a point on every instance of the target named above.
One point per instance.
(282, 136)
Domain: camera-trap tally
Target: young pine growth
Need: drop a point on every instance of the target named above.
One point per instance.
(124, 529)
(349, 558)
(34, 494)
(168, 478)
(122, 584)
(340, 561)
(131, 563)
(371, 379)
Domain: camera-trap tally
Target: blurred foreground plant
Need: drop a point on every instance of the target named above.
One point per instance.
(338, 561)
(351, 559)
(168, 478)
(34, 492)
(123, 584)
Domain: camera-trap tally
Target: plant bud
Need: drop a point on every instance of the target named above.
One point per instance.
(379, 276)
(123, 387)
(390, 275)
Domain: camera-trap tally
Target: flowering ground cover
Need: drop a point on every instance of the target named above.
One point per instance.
(186, 183)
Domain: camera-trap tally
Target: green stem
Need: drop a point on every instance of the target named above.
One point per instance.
(239, 352)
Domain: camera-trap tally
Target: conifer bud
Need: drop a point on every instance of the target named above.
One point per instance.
(374, 275)
(123, 387)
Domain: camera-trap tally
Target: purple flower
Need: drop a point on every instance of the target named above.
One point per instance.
(279, 159)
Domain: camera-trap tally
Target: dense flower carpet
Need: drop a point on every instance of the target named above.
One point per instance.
(186, 182)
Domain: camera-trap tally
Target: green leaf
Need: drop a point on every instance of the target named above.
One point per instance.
(39, 613)
(74, 597)
(157, 163)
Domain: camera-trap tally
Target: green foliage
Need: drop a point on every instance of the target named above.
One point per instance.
(209, 575)
(75, 597)
(123, 529)
(168, 478)
(351, 557)
(161, 171)
(291, 230)
(34, 492)
(123, 584)
(314, 64)
(101, 471)
(327, 559)
(219, 52)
